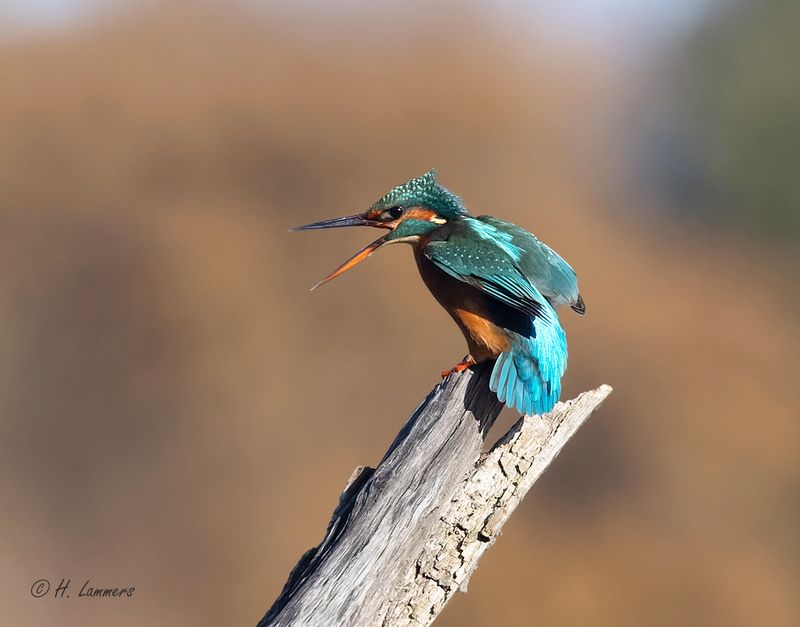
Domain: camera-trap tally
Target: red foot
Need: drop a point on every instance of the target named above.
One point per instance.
(461, 366)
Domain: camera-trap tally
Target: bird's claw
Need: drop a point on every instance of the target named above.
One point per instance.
(461, 366)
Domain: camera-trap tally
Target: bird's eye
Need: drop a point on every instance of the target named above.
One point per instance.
(396, 211)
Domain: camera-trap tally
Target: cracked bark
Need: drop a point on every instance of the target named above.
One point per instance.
(408, 534)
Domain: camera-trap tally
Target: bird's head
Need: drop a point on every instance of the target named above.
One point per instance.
(410, 212)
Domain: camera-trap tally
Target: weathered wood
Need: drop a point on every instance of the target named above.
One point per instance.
(408, 534)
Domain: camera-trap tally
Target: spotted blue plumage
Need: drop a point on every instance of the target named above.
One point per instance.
(423, 191)
(503, 239)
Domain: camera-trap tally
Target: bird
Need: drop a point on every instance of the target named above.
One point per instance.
(499, 283)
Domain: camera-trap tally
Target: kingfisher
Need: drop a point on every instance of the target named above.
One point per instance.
(499, 283)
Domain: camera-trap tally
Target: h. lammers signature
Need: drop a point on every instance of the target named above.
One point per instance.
(41, 588)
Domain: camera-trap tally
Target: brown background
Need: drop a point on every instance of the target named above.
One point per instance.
(178, 413)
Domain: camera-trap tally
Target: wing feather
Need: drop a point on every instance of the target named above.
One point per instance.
(541, 265)
(477, 261)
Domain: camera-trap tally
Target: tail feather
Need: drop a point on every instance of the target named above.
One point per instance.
(499, 378)
(512, 382)
(528, 375)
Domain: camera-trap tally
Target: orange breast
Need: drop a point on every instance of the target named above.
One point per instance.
(487, 339)
(469, 307)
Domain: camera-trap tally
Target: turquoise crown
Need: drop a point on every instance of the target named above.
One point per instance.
(424, 191)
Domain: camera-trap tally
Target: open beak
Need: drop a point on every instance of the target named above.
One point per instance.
(360, 219)
(354, 260)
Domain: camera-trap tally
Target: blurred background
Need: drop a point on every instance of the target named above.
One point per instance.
(179, 414)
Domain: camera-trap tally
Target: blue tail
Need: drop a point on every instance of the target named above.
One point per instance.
(528, 375)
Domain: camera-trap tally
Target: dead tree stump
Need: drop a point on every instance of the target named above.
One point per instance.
(408, 534)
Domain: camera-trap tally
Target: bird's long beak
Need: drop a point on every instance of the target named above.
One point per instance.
(355, 259)
(359, 219)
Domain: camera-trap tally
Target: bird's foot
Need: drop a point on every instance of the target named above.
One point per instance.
(461, 366)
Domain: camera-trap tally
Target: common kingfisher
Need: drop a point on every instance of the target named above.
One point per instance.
(499, 283)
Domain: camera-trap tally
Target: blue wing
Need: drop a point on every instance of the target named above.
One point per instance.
(528, 375)
(489, 265)
(540, 264)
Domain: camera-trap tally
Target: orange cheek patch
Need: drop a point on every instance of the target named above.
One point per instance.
(419, 213)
